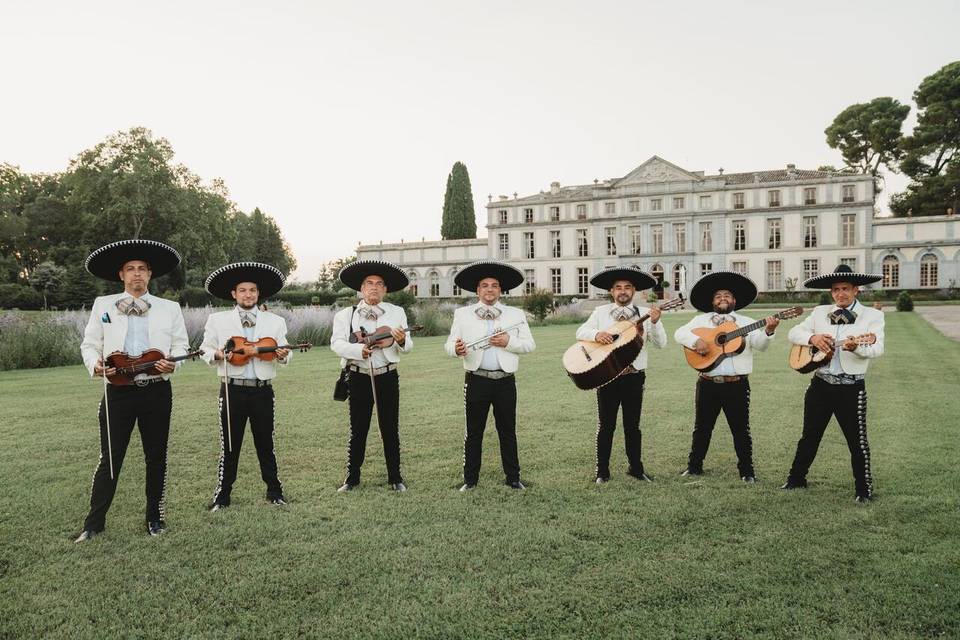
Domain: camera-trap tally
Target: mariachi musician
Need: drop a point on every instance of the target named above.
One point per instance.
(372, 375)
(132, 322)
(246, 391)
(625, 390)
(720, 295)
(853, 335)
(500, 333)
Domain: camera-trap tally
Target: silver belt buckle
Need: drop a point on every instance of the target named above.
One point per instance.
(142, 382)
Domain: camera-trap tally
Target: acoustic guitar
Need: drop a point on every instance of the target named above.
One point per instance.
(726, 340)
(805, 358)
(591, 365)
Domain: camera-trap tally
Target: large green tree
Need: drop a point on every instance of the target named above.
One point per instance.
(459, 220)
(931, 157)
(868, 135)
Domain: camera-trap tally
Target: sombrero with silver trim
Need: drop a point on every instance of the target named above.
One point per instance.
(107, 261)
(742, 288)
(608, 277)
(269, 279)
(843, 273)
(356, 272)
(470, 276)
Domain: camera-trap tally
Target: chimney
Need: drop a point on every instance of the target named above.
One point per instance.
(554, 188)
(791, 167)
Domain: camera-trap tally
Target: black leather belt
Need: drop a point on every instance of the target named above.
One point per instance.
(722, 379)
(247, 382)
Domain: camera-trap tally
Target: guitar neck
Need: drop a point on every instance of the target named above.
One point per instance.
(744, 330)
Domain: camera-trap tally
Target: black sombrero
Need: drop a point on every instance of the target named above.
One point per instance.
(356, 272)
(742, 288)
(470, 276)
(269, 280)
(608, 277)
(107, 261)
(843, 273)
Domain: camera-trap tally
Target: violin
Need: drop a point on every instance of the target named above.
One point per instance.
(127, 367)
(238, 350)
(379, 339)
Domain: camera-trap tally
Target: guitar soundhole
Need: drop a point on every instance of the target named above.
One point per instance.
(722, 339)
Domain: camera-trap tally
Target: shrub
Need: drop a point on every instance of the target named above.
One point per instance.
(18, 296)
(436, 319)
(37, 341)
(402, 298)
(538, 303)
(904, 302)
(195, 297)
(825, 298)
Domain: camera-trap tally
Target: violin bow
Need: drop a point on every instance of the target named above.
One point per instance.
(226, 397)
(106, 409)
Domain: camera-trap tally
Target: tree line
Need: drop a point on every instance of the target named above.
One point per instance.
(127, 186)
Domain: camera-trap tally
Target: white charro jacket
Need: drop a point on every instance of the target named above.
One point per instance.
(868, 321)
(223, 325)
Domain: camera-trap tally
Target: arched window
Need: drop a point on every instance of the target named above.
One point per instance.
(891, 272)
(679, 278)
(456, 289)
(928, 270)
(434, 284)
(412, 287)
(657, 272)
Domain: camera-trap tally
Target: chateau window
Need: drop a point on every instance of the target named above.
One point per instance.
(706, 202)
(554, 214)
(680, 237)
(810, 195)
(705, 268)
(634, 240)
(848, 229)
(633, 206)
(503, 216)
(611, 233)
(656, 204)
(678, 203)
(583, 248)
(849, 192)
(583, 281)
(610, 208)
(555, 243)
(773, 198)
(811, 268)
(739, 235)
(528, 215)
(434, 284)
(891, 272)
(928, 270)
(774, 229)
(555, 281)
(503, 245)
(656, 236)
(739, 266)
(581, 212)
(706, 236)
(809, 232)
(528, 244)
(774, 275)
(738, 200)
(529, 281)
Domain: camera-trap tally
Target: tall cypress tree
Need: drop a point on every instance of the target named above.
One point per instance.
(458, 216)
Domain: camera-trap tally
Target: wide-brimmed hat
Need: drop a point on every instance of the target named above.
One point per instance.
(843, 273)
(470, 276)
(608, 277)
(356, 272)
(742, 288)
(269, 279)
(107, 261)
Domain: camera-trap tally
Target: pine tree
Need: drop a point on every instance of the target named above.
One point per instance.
(458, 216)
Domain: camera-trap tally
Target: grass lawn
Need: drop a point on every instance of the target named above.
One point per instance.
(709, 558)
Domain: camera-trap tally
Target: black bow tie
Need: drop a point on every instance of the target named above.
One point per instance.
(842, 316)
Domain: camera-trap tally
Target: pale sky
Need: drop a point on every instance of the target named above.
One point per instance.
(343, 119)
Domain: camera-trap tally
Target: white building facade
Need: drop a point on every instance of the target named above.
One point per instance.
(778, 227)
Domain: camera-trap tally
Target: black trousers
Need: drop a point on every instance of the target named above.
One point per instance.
(361, 412)
(624, 391)
(479, 394)
(149, 408)
(255, 404)
(848, 402)
(734, 399)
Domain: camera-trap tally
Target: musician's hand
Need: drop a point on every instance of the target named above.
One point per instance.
(98, 369)
(399, 335)
(871, 338)
(500, 340)
(460, 348)
(603, 338)
(218, 354)
(655, 315)
(367, 351)
(822, 341)
(165, 366)
(701, 347)
(772, 323)
(282, 354)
